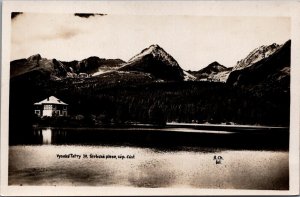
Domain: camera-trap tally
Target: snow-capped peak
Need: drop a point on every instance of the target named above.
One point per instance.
(157, 52)
(257, 55)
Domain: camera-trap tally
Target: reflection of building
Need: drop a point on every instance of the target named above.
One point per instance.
(47, 136)
(51, 106)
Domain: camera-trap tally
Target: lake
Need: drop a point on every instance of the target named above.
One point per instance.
(152, 157)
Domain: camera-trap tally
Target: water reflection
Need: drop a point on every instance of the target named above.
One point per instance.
(47, 135)
(162, 138)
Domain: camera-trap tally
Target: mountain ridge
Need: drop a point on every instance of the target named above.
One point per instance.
(61, 69)
(153, 62)
(207, 73)
(256, 55)
(156, 61)
(275, 68)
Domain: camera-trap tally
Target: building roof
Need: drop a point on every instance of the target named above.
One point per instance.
(51, 100)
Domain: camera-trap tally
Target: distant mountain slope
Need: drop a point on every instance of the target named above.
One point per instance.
(256, 55)
(157, 62)
(60, 69)
(212, 68)
(215, 72)
(275, 68)
(37, 63)
(221, 76)
(211, 72)
(94, 64)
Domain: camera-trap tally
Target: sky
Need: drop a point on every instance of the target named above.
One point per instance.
(194, 41)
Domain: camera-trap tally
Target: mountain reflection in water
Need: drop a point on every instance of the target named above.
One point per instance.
(250, 138)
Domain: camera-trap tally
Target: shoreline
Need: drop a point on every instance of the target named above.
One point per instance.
(176, 127)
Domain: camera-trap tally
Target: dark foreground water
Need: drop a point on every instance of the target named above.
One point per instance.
(152, 157)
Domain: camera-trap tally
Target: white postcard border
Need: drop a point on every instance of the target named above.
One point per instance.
(204, 8)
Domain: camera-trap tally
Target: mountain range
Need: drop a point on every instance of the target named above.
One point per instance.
(152, 61)
(156, 64)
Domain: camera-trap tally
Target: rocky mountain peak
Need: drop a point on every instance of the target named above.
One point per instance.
(256, 55)
(35, 57)
(215, 63)
(156, 61)
(156, 52)
(91, 58)
(216, 66)
(269, 66)
(155, 46)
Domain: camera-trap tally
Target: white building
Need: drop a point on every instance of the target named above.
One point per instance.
(51, 106)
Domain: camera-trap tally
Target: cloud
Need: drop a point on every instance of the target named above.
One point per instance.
(60, 33)
(87, 15)
(15, 14)
(195, 41)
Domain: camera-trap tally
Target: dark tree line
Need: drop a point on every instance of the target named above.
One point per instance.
(100, 101)
(136, 98)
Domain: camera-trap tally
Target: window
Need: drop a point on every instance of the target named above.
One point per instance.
(56, 113)
(37, 112)
(49, 107)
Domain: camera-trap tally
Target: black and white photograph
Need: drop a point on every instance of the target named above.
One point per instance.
(149, 101)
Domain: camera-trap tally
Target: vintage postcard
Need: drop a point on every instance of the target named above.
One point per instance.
(150, 98)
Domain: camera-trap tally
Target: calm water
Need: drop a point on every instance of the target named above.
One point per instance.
(111, 163)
